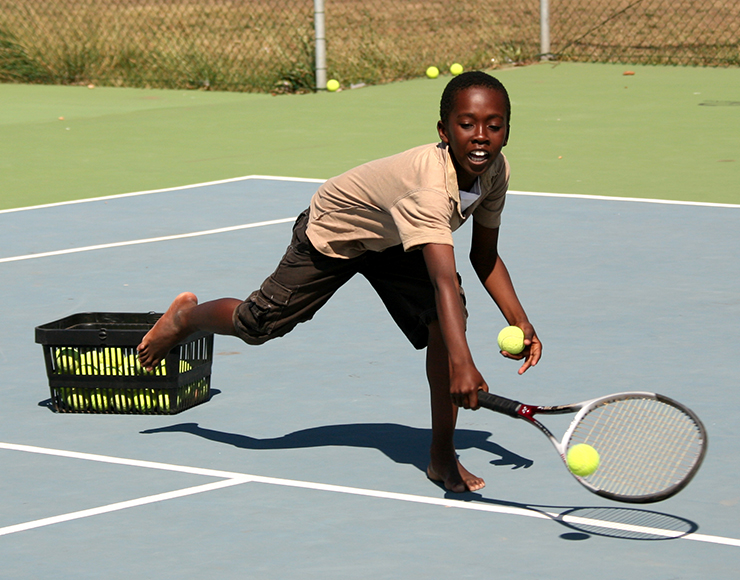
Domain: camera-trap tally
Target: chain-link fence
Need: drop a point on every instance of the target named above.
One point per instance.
(269, 45)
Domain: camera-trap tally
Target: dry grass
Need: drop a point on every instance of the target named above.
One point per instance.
(267, 45)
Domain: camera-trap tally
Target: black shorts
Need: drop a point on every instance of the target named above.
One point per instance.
(305, 279)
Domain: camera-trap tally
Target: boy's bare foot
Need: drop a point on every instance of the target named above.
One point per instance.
(454, 477)
(167, 332)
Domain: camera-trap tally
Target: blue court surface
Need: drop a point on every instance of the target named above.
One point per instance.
(308, 461)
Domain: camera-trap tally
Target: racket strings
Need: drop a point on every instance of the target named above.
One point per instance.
(645, 446)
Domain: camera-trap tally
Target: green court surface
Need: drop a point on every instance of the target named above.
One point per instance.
(668, 133)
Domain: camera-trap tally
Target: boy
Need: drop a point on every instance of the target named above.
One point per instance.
(392, 221)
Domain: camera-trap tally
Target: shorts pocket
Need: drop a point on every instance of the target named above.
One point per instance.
(266, 306)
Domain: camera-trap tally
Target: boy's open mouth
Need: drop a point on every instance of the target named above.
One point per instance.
(478, 156)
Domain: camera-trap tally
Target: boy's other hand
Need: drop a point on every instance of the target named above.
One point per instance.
(464, 386)
(532, 348)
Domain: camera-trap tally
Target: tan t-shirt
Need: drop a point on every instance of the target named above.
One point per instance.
(410, 198)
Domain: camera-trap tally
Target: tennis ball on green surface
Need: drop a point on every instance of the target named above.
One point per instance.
(332, 85)
(456, 69)
(67, 361)
(432, 72)
(582, 459)
(121, 402)
(511, 339)
(99, 400)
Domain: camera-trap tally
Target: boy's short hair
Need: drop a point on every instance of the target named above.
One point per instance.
(468, 80)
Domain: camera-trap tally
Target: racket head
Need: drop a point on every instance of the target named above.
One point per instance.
(650, 446)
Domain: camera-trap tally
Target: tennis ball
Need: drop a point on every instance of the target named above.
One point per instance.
(456, 69)
(185, 366)
(112, 358)
(163, 400)
(68, 361)
(432, 72)
(121, 402)
(582, 459)
(511, 339)
(99, 400)
(332, 85)
(77, 400)
(143, 400)
(91, 363)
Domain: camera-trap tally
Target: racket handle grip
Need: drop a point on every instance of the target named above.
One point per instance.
(498, 404)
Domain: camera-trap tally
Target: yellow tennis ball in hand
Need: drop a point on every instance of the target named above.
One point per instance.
(582, 459)
(511, 339)
(456, 69)
(432, 72)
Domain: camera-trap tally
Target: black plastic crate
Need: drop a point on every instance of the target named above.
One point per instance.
(93, 367)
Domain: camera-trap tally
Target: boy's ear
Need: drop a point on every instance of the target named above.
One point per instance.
(442, 132)
(508, 133)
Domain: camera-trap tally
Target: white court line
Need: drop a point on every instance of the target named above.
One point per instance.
(120, 506)
(311, 180)
(145, 240)
(237, 478)
(164, 190)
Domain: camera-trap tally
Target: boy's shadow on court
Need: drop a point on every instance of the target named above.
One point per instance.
(402, 444)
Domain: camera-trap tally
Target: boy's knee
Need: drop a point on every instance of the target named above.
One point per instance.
(260, 317)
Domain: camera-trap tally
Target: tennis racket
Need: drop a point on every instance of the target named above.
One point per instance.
(649, 446)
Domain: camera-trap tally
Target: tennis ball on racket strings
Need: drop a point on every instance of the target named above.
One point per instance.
(332, 85)
(582, 460)
(432, 72)
(511, 339)
(456, 69)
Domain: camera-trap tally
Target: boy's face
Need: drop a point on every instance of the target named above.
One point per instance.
(476, 131)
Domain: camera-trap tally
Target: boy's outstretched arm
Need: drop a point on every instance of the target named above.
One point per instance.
(465, 380)
(495, 277)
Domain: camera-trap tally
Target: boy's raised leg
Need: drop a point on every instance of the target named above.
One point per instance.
(444, 466)
(184, 317)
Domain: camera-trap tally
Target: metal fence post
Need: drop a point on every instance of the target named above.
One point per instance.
(320, 34)
(545, 30)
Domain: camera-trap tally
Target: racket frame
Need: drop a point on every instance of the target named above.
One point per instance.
(527, 413)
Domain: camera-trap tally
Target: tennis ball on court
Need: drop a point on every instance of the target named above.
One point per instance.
(456, 69)
(432, 72)
(582, 459)
(68, 361)
(332, 85)
(511, 339)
